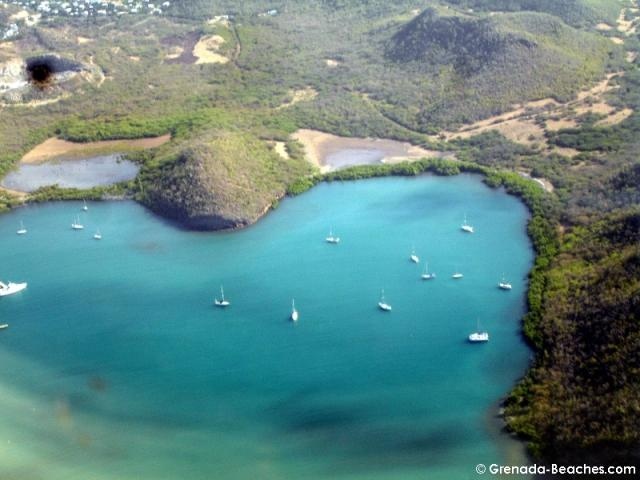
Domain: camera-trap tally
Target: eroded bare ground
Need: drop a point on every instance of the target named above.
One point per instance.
(527, 123)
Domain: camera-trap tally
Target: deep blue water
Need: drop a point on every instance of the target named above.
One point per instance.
(117, 366)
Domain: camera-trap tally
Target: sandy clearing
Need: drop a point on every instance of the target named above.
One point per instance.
(301, 95)
(519, 124)
(83, 40)
(134, 58)
(174, 52)
(219, 20)
(616, 117)
(598, 89)
(206, 50)
(617, 40)
(631, 56)
(543, 182)
(554, 125)
(280, 148)
(625, 26)
(30, 19)
(57, 148)
(605, 27)
(320, 145)
(331, 63)
(601, 108)
(565, 151)
(520, 130)
(14, 193)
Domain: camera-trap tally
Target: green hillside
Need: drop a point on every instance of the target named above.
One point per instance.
(578, 13)
(486, 64)
(224, 180)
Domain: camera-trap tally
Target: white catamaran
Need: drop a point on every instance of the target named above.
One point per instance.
(478, 336)
(85, 207)
(97, 235)
(413, 257)
(76, 225)
(294, 312)
(221, 302)
(11, 288)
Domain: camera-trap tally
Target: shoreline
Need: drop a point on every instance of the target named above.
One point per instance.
(512, 182)
(321, 146)
(56, 149)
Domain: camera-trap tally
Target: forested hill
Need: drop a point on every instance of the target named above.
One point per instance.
(468, 44)
(578, 13)
(490, 62)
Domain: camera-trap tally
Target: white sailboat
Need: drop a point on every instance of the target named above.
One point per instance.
(76, 225)
(382, 304)
(294, 312)
(331, 238)
(21, 230)
(457, 275)
(465, 227)
(221, 302)
(85, 207)
(3, 326)
(426, 275)
(479, 336)
(97, 235)
(11, 288)
(413, 257)
(504, 285)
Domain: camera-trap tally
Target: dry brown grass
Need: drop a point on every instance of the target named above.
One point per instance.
(555, 125)
(206, 50)
(616, 117)
(54, 148)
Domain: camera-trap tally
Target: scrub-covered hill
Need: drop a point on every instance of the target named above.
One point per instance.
(225, 180)
(485, 64)
(578, 13)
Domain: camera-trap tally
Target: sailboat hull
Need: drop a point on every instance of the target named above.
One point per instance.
(11, 288)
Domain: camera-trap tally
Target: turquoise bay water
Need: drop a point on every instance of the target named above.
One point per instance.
(117, 366)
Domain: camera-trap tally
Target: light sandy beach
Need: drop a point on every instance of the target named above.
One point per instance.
(322, 149)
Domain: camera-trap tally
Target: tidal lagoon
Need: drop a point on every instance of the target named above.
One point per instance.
(116, 364)
(80, 173)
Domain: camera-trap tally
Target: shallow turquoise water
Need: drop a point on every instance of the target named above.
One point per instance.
(117, 366)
